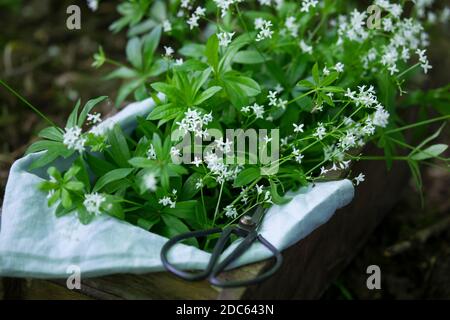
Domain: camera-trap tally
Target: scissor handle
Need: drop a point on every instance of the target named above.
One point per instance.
(241, 248)
(194, 276)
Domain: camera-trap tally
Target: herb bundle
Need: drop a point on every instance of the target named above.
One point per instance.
(317, 81)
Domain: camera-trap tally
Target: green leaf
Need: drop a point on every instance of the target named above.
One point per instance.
(44, 145)
(151, 42)
(147, 224)
(140, 162)
(248, 85)
(88, 108)
(315, 74)
(122, 73)
(48, 157)
(72, 120)
(212, 52)
(205, 95)
(306, 84)
(83, 174)
(332, 89)
(134, 52)
(329, 79)
(182, 210)
(83, 215)
(66, 200)
(172, 92)
(175, 226)
(165, 111)
(99, 166)
(61, 211)
(112, 176)
(119, 148)
(430, 152)
(112, 207)
(126, 89)
(248, 57)
(189, 189)
(175, 169)
(276, 198)
(52, 133)
(74, 186)
(192, 50)
(247, 176)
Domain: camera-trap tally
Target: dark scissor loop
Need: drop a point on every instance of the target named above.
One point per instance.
(214, 267)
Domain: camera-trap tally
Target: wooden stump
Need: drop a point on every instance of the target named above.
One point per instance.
(309, 266)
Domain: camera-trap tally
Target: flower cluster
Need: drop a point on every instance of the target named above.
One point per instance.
(73, 139)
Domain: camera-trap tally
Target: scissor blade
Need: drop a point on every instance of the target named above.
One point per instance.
(258, 215)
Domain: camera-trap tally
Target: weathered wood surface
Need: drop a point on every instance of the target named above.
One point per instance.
(308, 268)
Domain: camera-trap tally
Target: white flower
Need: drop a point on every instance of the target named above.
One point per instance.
(92, 202)
(230, 211)
(264, 27)
(325, 71)
(259, 189)
(307, 4)
(292, 26)
(167, 26)
(149, 181)
(299, 157)
(94, 118)
(151, 153)
(223, 5)
(168, 51)
(174, 152)
(193, 21)
(199, 184)
(282, 104)
(166, 201)
(305, 48)
(298, 127)
(366, 96)
(194, 121)
(246, 109)
(179, 62)
(381, 117)
(339, 67)
(423, 59)
(197, 161)
(323, 170)
(225, 38)
(279, 88)
(272, 94)
(266, 139)
(92, 4)
(359, 179)
(73, 139)
(320, 131)
(200, 11)
(353, 27)
(258, 110)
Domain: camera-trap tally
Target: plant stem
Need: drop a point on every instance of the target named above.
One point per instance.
(407, 70)
(418, 124)
(218, 204)
(27, 103)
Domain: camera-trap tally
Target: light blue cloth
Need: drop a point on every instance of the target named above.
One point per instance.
(35, 243)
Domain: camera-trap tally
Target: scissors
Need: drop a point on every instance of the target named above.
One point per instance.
(246, 229)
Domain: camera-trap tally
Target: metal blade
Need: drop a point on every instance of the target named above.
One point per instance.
(258, 215)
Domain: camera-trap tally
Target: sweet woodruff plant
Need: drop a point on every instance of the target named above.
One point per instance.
(322, 77)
